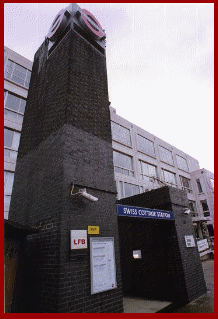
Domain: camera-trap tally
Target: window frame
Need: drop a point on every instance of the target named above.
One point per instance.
(131, 172)
(12, 150)
(188, 189)
(169, 151)
(179, 167)
(129, 144)
(14, 70)
(206, 212)
(193, 211)
(121, 189)
(19, 114)
(142, 150)
(8, 193)
(142, 175)
(199, 186)
(168, 183)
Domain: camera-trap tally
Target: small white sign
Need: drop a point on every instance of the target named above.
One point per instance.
(137, 254)
(190, 242)
(78, 239)
(202, 244)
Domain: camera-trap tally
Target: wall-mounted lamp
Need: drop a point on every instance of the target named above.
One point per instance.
(187, 211)
(82, 192)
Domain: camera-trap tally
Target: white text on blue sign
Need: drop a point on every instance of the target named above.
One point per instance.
(143, 212)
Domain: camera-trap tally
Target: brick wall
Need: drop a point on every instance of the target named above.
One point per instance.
(192, 268)
(68, 87)
(186, 280)
(66, 139)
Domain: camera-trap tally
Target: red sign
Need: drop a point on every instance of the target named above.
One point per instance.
(78, 239)
(92, 23)
(58, 26)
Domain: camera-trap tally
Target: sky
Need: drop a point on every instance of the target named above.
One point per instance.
(160, 64)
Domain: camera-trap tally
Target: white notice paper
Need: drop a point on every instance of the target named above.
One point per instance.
(103, 270)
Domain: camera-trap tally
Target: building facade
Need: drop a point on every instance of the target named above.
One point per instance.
(203, 188)
(16, 83)
(142, 161)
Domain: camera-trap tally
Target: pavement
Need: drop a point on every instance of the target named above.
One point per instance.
(203, 304)
(141, 305)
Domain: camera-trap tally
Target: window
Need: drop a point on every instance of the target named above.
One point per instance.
(121, 134)
(13, 114)
(210, 230)
(182, 163)
(145, 145)
(186, 184)
(123, 164)
(147, 171)
(199, 186)
(120, 189)
(130, 189)
(17, 73)
(166, 155)
(11, 143)
(205, 208)
(127, 190)
(8, 184)
(196, 231)
(169, 178)
(206, 214)
(192, 207)
(14, 106)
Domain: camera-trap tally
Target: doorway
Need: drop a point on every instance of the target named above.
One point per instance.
(144, 253)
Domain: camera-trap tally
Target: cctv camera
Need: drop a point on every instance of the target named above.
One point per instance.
(83, 193)
(187, 211)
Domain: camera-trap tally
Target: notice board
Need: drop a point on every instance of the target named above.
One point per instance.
(102, 262)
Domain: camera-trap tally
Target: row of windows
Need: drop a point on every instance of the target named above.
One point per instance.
(17, 73)
(14, 106)
(123, 164)
(124, 189)
(122, 135)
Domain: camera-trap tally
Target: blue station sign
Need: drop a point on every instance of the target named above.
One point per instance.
(132, 211)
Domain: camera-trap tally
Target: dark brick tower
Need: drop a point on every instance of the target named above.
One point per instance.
(65, 141)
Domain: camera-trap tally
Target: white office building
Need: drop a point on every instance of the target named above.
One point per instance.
(143, 162)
